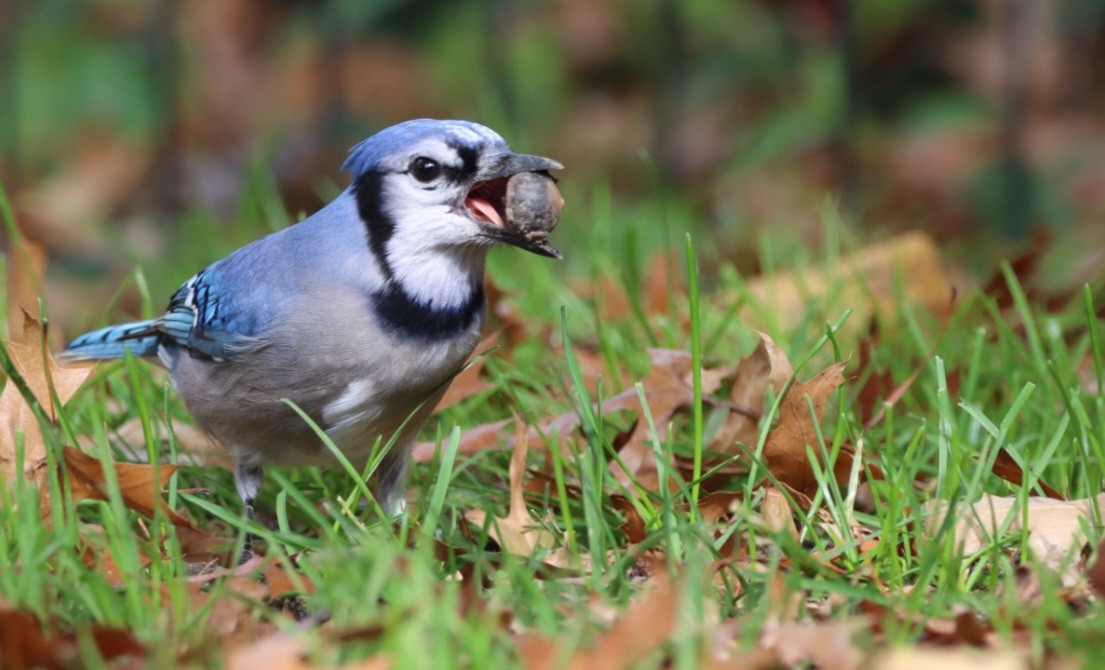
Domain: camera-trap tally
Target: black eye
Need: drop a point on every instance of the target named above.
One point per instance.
(425, 169)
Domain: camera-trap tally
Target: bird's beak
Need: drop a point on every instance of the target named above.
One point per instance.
(485, 201)
(505, 165)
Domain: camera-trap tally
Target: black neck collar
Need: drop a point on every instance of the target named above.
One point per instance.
(397, 310)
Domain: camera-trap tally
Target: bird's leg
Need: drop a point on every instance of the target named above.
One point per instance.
(248, 478)
(389, 478)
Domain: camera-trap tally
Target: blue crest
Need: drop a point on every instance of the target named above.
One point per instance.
(366, 155)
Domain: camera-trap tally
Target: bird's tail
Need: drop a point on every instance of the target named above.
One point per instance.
(140, 338)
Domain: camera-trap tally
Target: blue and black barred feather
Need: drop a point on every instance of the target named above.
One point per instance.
(195, 320)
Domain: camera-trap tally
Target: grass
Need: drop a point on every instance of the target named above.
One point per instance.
(990, 384)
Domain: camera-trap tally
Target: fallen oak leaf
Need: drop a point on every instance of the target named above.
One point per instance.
(827, 645)
(966, 628)
(785, 450)
(139, 484)
(43, 378)
(40, 375)
(281, 651)
(95, 555)
(767, 367)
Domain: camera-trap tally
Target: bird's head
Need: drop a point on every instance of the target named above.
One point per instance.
(429, 183)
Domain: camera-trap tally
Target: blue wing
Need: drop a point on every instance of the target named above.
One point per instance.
(202, 318)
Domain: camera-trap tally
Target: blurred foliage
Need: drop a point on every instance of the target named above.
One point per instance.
(126, 119)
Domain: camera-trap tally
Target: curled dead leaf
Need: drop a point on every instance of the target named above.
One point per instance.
(518, 532)
(767, 367)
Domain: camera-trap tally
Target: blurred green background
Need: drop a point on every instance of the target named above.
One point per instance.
(146, 132)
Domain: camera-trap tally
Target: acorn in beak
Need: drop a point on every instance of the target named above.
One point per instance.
(517, 202)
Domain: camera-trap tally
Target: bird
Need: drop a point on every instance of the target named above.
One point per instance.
(360, 315)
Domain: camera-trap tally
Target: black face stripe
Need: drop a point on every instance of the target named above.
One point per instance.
(469, 158)
(405, 317)
(368, 190)
(469, 163)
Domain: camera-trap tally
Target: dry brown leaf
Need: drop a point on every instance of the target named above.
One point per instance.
(275, 582)
(281, 651)
(611, 301)
(649, 621)
(777, 513)
(504, 315)
(955, 658)
(594, 371)
(140, 485)
(757, 659)
(1096, 572)
(966, 628)
(23, 644)
(718, 505)
(667, 388)
(828, 645)
(867, 281)
(37, 368)
(785, 451)
(94, 556)
(26, 272)
(661, 277)
(1055, 527)
(765, 368)
(1008, 469)
(192, 445)
(518, 532)
(234, 619)
(275, 652)
(634, 526)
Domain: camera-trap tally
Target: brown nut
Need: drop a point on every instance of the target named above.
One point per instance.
(533, 203)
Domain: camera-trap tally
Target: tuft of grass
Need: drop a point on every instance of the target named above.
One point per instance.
(992, 384)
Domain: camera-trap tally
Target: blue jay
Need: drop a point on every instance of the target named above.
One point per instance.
(361, 314)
